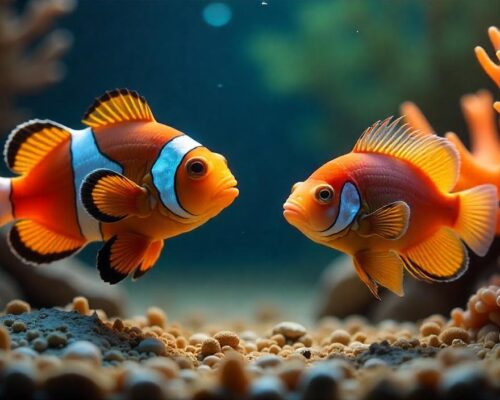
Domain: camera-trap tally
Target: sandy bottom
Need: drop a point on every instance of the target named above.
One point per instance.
(80, 353)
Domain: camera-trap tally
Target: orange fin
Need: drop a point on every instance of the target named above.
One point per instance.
(115, 106)
(477, 217)
(441, 258)
(31, 142)
(367, 280)
(383, 267)
(110, 197)
(414, 117)
(389, 222)
(37, 244)
(432, 154)
(127, 253)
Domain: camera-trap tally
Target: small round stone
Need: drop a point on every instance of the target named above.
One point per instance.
(290, 330)
(210, 346)
(18, 326)
(197, 338)
(81, 305)
(156, 317)
(40, 344)
(430, 328)
(4, 339)
(268, 361)
(451, 333)
(340, 336)
(17, 307)
(57, 339)
(83, 350)
(151, 345)
(114, 355)
(227, 338)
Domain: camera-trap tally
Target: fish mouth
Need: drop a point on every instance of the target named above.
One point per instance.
(293, 211)
(227, 191)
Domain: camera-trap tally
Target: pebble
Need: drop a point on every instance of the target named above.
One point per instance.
(156, 317)
(453, 332)
(151, 345)
(210, 346)
(17, 307)
(57, 339)
(81, 305)
(320, 383)
(340, 336)
(268, 361)
(83, 350)
(18, 326)
(114, 355)
(144, 384)
(4, 339)
(165, 366)
(267, 388)
(40, 344)
(198, 338)
(374, 363)
(227, 338)
(19, 381)
(430, 328)
(233, 376)
(290, 330)
(26, 351)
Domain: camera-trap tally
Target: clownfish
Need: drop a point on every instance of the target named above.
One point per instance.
(388, 205)
(126, 180)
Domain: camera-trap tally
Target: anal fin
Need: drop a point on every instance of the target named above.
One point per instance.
(441, 258)
(127, 253)
(37, 244)
(382, 267)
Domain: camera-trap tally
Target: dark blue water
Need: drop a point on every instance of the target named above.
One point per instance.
(202, 80)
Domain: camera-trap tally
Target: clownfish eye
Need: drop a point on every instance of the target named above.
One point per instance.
(324, 194)
(295, 186)
(196, 168)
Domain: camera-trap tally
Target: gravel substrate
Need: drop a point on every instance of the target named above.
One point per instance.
(79, 353)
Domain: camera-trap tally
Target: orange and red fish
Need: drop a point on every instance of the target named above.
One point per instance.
(388, 205)
(126, 180)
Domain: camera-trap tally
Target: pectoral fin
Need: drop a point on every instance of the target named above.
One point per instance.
(110, 197)
(382, 267)
(127, 253)
(389, 222)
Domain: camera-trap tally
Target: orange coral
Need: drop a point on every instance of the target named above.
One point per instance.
(489, 66)
(483, 308)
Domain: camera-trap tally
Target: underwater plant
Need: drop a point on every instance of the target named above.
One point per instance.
(30, 52)
(388, 205)
(126, 180)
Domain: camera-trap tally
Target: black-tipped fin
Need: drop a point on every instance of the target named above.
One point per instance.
(115, 106)
(36, 244)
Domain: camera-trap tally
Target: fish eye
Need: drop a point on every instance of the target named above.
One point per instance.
(295, 186)
(324, 194)
(196, 168)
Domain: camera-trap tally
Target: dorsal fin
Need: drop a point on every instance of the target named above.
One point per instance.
(115, 106)
(434, 155)
(30, 142)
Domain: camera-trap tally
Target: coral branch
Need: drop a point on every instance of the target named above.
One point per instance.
(23, 67)
(489, 66)
(414, 117)
(481, 120)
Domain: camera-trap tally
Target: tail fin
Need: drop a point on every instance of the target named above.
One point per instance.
(476, 222)
(5, 204)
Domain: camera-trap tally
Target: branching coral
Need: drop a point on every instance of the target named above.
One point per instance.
(489, 66)
(24, 68)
